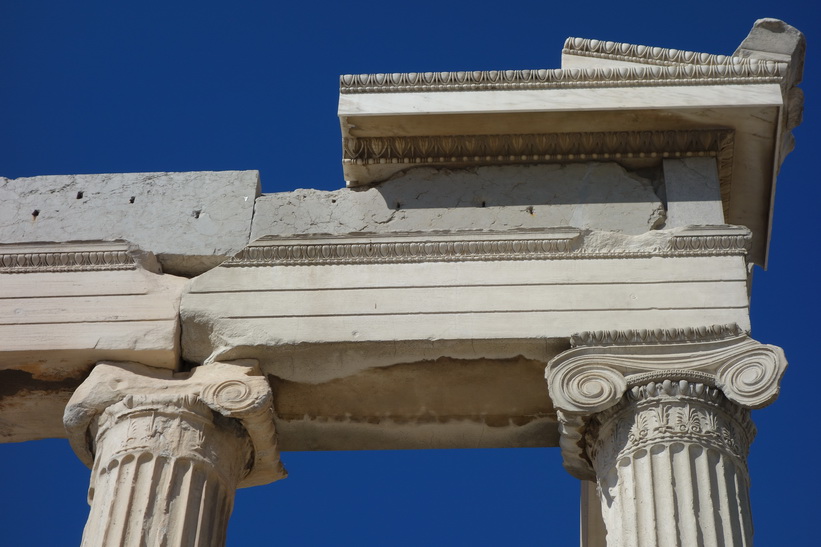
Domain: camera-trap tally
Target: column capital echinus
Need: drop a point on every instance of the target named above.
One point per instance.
(235, 390)
(603, 367)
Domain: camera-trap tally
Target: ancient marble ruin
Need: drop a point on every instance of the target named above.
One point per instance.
(521, 258)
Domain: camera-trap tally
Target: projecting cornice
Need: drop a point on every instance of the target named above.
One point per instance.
(635, 53)
(628, 103)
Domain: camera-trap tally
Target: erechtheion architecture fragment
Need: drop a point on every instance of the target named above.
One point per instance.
(521, 258)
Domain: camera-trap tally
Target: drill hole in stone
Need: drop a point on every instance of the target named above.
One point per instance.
(79, 195)
(35, 213)
(196, 213)
(131, 199)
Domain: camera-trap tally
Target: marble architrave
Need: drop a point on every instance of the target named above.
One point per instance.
(321, 313)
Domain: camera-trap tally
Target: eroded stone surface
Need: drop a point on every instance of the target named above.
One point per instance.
(167, 450)
(596, 195)
(190, 221)
(693, 192)
(775, 40)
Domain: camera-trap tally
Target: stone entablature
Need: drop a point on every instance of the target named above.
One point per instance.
(354, 301)
(421, 311)
(607, 93)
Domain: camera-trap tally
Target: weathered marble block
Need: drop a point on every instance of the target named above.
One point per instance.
(190, 221)
(597, 196)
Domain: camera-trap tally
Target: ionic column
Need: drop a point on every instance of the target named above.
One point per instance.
(660, 420)
(168, 450)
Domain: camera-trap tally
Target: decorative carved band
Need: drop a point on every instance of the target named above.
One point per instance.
(387, 249)
(654, 336)
(538, 147)
(669, 412)
(420, 250)
(650, 55)
(487, 80)
(66, 261)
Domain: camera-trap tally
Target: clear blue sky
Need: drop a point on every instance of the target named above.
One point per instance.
(100, 87)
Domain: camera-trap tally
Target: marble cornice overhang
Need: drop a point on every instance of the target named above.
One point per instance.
(628, 94)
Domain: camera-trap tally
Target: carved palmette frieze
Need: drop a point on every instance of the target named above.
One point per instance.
(491, 80)
(556, 244)
(16, 259)
(536, 147)
(182, 425)
(636, 53)
(606, 370)
(669, 412)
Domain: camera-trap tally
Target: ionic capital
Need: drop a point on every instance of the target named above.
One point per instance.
(236, 390)
(601, 367)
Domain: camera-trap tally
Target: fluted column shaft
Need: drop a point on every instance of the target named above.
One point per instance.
(168, 451)
(670, 462)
